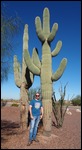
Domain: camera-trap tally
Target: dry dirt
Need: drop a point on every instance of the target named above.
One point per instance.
(12, 137)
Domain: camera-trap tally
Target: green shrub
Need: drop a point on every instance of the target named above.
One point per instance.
(76, 102)
(15, 105)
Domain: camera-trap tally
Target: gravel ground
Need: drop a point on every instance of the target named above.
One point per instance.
(67, 137)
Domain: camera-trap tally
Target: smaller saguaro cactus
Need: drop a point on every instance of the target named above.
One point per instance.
(23, 80)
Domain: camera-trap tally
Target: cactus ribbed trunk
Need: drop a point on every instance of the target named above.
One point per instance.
(46, 85)
(23, 97)
(23, 107)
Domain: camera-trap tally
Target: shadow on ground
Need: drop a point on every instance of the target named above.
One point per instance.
(8, 128)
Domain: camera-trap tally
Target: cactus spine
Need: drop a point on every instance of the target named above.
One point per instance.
(44, 70)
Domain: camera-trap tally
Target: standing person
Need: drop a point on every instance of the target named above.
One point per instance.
(36, 113)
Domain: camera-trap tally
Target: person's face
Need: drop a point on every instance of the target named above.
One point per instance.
(37, 96)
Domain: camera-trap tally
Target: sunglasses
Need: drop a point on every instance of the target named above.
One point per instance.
(37, 95)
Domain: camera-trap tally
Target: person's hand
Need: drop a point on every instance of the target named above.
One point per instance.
(32, 117)
(41, 116)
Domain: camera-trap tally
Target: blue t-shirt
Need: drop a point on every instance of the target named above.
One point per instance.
(36, 106)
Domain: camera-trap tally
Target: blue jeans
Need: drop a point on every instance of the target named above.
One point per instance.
(33, 127)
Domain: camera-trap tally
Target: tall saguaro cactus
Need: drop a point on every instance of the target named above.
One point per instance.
(23, 80)
(44, 67)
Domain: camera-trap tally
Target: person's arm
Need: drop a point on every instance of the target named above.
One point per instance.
(41, 116)
(30, 110)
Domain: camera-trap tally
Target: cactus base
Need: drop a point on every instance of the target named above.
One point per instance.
(47, 133)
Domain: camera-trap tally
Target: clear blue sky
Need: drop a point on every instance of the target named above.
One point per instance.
(68, 16)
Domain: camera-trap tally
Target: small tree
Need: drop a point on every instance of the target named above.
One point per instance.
(10, 26)
(58, 109)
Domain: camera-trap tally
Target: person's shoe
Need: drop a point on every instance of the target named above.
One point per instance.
(36, 140)
(29, 143)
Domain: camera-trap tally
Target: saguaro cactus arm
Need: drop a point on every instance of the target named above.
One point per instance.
(34, 69)
(17, 72)
(39, 30)
(46, 22)
(53, 32)
(57, 49)
(60, 70)
(36, 59)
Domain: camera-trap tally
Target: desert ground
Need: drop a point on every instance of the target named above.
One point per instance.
(66, 137)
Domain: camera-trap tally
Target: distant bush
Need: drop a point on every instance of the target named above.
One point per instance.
(15, 105)
(76, 101)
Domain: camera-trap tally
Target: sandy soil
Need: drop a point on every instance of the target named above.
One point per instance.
(12, 137)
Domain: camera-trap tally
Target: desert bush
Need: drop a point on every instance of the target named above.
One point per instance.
(59, 107)
(15, 105)
(76, 102)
